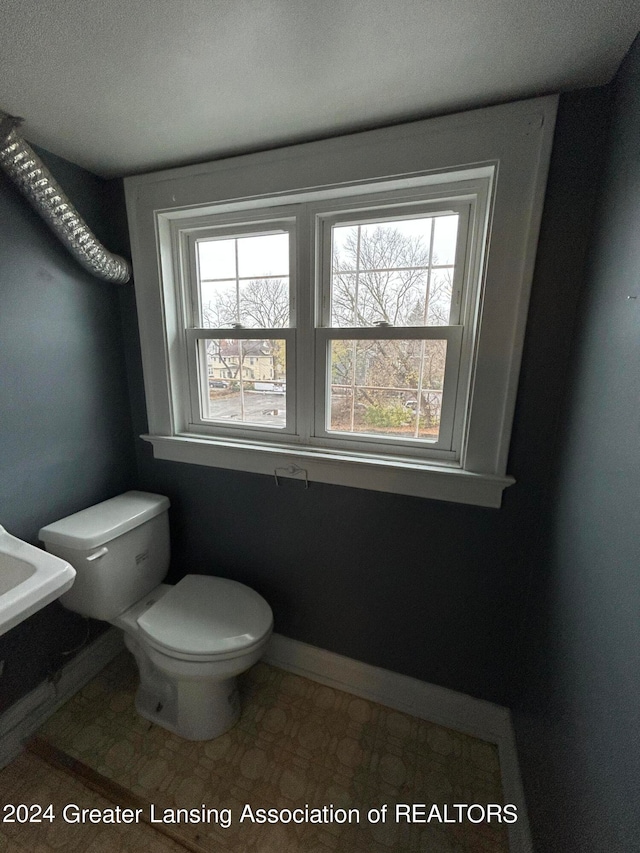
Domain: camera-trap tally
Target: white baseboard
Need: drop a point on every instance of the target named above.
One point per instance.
(19, 722)
(449, 708)
(439, 705)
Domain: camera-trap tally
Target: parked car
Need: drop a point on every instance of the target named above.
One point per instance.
(273, 387)
(218, 383)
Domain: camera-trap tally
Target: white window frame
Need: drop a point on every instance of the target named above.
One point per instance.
(508, 147)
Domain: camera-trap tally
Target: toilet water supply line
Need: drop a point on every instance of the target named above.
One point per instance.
(36, 183)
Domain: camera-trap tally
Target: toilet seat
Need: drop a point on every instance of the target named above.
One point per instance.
(205, 618)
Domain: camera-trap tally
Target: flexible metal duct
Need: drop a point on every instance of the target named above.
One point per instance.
(42, 191)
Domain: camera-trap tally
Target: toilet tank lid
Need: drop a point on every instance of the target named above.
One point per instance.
(103, 522)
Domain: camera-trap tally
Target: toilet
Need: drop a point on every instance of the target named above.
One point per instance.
(190, 641)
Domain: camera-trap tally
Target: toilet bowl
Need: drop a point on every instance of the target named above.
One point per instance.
(190, 641)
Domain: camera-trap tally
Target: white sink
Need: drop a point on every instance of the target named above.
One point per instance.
(29, 579)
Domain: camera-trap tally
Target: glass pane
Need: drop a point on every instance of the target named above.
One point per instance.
(264, 303)
(445, 238)
(382, 272)
(385, 387)
(216, 259)
(440, 290)
(246, 382)
(219, 304)
(244, 280)
(262, 256)
(255, 304)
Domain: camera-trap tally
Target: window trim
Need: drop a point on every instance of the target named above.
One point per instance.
(513, 140)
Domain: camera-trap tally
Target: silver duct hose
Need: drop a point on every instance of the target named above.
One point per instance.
(42, 191)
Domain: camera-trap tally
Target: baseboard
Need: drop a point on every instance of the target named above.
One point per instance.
(24, 717)
(449, 708)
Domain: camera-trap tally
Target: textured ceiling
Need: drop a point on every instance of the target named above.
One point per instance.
(125, 86)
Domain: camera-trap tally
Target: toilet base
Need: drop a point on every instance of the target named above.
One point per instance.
(200, 709)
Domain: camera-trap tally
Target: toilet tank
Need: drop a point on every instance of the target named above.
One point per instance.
(119, 549)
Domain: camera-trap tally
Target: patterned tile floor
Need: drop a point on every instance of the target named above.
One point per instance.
(297, 742)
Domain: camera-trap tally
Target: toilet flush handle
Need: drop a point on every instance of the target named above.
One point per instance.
(104, 550)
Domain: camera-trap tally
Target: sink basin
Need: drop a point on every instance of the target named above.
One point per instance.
(29, 579)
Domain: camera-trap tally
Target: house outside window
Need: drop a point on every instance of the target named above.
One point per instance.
(352, 309)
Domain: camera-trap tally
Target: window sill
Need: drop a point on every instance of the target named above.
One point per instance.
(383, 474)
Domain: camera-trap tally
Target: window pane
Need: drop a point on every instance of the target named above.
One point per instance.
(244, 280)
(216, 259)
(219, 304)
(264, 303)
(262, 256)
(439, 303)
(246, 382)
(387, 387)
(382, 272)
(255, 304)
(445, 238)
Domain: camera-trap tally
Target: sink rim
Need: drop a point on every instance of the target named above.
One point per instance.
(51, 577)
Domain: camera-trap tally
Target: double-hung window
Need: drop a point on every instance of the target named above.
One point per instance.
(350, 311)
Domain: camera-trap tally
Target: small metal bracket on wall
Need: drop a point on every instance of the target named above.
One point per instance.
(291, 471)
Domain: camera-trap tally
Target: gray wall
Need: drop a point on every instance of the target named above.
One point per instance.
(421, 587)
(65, 430)
(577, 706)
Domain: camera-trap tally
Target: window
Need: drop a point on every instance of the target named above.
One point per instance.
(391, 284)
(351, 310)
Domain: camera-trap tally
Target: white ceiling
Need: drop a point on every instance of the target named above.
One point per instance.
(125, 86)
